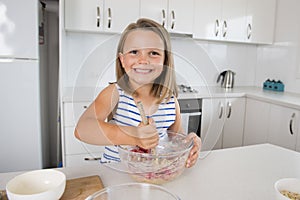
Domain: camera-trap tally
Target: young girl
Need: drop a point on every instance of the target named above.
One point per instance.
(145, 73)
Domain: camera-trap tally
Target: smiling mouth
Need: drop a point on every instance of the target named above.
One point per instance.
(143, 71)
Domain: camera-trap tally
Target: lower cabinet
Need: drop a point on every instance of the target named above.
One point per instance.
(275, 124)
(75, 152)
(222, 122)
(256, 122)
(283, 126)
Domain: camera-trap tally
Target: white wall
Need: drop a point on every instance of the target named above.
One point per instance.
(281, 60)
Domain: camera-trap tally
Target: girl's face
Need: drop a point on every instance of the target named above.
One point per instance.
(143, 57)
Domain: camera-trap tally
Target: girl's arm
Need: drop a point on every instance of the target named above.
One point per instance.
(92, 127)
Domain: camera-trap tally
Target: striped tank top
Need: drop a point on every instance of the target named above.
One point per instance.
(127, 114)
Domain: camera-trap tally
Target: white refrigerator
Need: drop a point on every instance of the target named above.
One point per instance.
(21, 135)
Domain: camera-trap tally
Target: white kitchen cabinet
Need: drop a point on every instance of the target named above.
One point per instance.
(283, 126)
(75, 152)
(18, 29)
(235, 20)
(256, 122)
(175, 15)
(260, 24)
(298, 138)
(222, 122)
(100, 15)
(267, 122)
(220, 20)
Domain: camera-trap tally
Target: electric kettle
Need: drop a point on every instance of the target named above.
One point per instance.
(227, 79)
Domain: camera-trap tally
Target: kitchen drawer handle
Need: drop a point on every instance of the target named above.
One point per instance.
(92, 159)
(109, 18)
(98, 16)
(291, 124)
(221, 111)
(163, 17)
(217, 27)
(249, 30)
(173, 19)
(229, 110)
(224, 29)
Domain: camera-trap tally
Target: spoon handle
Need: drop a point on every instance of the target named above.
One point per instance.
(142, 112)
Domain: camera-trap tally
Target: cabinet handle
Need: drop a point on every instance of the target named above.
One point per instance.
(291, 123)
(229, 110)
(85, 107)
(109, 18)
(221, 111)
(91, 159)
(249, 30)
(217, 26)
(163, 17)
(173, 19)
(224, 29)
(98, 16)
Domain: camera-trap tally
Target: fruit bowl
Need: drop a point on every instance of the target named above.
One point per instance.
(159, 165)
(133, 191)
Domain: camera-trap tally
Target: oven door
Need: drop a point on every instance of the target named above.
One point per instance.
(191, 122)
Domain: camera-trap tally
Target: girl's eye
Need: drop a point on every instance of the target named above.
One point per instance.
(155, 53)
(133, 52)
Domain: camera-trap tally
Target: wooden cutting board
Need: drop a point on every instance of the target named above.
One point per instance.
(77, 189)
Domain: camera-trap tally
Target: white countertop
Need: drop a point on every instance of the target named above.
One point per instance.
(246, 173)
(83, 94)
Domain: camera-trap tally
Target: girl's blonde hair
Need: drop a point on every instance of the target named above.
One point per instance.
(165, 85)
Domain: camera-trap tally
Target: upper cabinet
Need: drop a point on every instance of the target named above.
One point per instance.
(19, 29)
(175, 15)
(100, 15)
(245, 21)
(260, 21)
(235, 20)
(219, 19)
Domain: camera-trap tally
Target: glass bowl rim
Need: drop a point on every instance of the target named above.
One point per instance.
(141, 185)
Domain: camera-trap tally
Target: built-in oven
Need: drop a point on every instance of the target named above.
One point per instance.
(191, 115)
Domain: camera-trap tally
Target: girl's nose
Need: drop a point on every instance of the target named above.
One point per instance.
(143, 58)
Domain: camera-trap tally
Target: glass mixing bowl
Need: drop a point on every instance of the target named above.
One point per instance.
(133, 191)
(159, 165)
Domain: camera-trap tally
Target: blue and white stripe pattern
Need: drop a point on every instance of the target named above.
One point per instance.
(127, 114)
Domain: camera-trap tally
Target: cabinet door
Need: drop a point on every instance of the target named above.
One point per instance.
(19, 28)
(84, 15)
(283, 126)
(118, 14)
(207, 19)
(156, 10)
(234, 20)
(256, 122)
(212, 122)
(180, 16)
(234, 125)
(260, 24)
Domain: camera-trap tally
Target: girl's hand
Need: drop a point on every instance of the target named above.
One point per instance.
(194, 153)
(146, 135)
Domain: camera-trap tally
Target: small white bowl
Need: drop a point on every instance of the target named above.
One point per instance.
(46, 184)
(289, 184)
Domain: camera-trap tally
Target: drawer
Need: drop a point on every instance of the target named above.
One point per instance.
(74, 146)
(73, 111)
(80, 160)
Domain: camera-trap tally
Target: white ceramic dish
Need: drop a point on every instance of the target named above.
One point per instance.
(288, 184)
(46, 184)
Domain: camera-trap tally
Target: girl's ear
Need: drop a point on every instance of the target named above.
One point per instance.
(121, 57)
